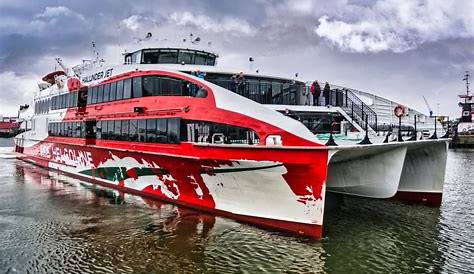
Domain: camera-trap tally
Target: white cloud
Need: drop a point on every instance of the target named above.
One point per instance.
(53, 18)
(230, 25)
(52, 12)
(399, 25)
(132, 22)
(15, 90)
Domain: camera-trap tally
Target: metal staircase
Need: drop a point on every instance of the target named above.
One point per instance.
(357, 110)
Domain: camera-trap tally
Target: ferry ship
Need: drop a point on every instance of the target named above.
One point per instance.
(154, 126)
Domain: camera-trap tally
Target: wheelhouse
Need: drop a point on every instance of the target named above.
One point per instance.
(171, 56)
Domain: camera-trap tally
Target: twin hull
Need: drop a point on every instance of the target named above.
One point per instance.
(273, 187)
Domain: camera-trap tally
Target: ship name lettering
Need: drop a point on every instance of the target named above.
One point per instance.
(98, 75)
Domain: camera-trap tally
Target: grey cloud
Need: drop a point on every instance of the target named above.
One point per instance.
(279, 34)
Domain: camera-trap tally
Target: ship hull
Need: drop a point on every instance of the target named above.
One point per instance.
(274, 193)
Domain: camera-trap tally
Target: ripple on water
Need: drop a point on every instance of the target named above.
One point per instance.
(50, 223)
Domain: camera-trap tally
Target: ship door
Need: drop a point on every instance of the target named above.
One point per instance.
(91, 132)
(82, 99)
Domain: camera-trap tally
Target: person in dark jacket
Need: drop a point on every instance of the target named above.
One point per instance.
(326, 93)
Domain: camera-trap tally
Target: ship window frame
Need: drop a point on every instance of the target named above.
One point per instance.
(133, 133)
(113, 91)
(119, 95)
(89, 95)
(166, 53)
(106, 92)
(125, 128)
(145, 56)
(142, 130)
(190, 54)
(137, 87)
(94, 95)
(104, 130)
(202, 55)
(150, 131)
(175, 137)
(110, 129)
(127, 88)
(100, 94)
(117, 130)
(162, 131)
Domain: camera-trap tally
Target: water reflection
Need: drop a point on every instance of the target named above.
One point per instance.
(51, 223)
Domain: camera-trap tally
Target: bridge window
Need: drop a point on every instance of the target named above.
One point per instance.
(200, 58)
(186, 57)
(168, 56)
(150, 56)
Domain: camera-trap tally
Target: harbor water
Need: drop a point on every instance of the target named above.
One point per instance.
(51, 223)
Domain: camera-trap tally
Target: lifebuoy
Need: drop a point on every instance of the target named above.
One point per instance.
(399, 111)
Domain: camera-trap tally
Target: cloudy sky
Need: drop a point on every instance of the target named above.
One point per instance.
(399, 49)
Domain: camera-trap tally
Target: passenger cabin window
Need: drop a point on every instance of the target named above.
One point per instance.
(216, 133)
(136, 87)
(161, 130)
(67, 129)
(62, 101)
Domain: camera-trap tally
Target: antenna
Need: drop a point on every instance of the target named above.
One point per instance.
(466, 79)
(95, 51)
(60, 63)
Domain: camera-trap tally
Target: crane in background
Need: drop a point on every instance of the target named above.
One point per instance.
(428, 106)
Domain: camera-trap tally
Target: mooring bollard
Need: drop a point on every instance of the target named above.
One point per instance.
(434, 136)
(366, 140)
(413, 138)
(331, 141)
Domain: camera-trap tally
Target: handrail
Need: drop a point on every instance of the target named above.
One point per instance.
(359, 112)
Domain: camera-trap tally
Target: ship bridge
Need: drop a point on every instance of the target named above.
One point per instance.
(183, 56)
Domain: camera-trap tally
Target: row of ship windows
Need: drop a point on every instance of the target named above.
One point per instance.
(56, 102)
(171, 56)
(135, 87)
(165, 131)
(143, 130)
(143, 86)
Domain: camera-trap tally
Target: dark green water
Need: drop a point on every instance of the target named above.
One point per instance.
(50, 223)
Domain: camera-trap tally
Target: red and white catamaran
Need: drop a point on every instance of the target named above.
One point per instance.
(148, 127)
